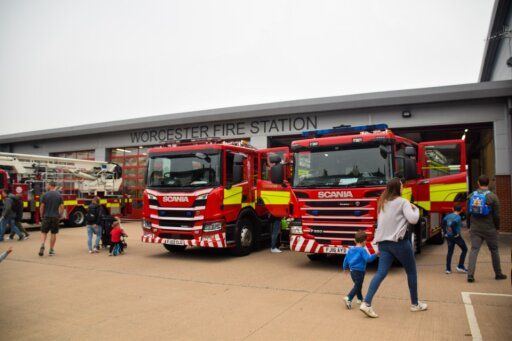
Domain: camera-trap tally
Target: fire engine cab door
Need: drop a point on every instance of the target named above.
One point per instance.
(273, 198)
(444, 177)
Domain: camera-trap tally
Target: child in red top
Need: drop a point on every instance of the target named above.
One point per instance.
(115, 240)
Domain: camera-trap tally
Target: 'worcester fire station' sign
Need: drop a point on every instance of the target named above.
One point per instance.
(227, 129)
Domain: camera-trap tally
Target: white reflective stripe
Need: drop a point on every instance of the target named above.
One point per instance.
(360, 199)
(198, 208)
(335, 224)
(337, 208)
(343, 232)
(193, 194)
(219, 241)
(309, 246)
(332, 238)
(318, 247)
(210, 243)
(299, 244)
(333, 217)
(177, 227)
(154, 216)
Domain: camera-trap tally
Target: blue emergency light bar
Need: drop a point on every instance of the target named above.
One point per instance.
(344, 130)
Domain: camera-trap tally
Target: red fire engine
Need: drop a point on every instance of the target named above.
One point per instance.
(77, 180)
(212, 194)
(339, 174)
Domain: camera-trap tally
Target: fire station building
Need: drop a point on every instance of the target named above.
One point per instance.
(480, 113)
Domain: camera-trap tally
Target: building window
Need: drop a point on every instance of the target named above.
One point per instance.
(80, 155)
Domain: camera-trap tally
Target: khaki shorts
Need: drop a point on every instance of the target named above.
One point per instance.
(50, 224)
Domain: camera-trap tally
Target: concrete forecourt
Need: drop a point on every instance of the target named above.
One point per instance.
(209, 294)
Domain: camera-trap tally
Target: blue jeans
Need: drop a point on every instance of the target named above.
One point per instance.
(9, 222)
(358, 279)
(452, 241)
(90, 230)
(276, 228)
(389, 251)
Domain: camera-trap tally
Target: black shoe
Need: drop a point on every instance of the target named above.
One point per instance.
(500, 276)
(471, 279)
(41, 251)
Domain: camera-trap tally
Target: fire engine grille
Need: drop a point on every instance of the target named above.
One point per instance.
(176, 223)
(337, 221)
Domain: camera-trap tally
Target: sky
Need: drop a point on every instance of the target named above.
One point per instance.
(66, 63)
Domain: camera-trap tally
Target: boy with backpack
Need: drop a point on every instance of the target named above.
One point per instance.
(451, 227)
(356, 259)
(484, 222)
(93, 219)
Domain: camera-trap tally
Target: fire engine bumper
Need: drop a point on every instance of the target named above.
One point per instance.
(301, 244)
(217, 240)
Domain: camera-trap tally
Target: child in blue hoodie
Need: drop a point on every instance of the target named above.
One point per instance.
(356, 259)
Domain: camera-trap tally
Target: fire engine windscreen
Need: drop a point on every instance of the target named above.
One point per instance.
(337, 167)
(184, 170)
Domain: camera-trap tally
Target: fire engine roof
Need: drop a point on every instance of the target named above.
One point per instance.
(347, 102)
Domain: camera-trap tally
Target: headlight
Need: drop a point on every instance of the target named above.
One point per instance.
(296, 227)
(146, 224)
(152, 197)
(202, 197)
(210, 227)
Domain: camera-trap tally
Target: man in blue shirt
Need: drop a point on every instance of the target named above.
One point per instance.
(356, 259)
(451, 227)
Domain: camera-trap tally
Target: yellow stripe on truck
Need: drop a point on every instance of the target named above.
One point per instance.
(25, 204)
(70, 202)
(447, 192)
(233, 196)
(275, 197)
(423, 204)
(113, 205)
(407, 193)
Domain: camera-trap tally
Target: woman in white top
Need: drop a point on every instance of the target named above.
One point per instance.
(394, 215)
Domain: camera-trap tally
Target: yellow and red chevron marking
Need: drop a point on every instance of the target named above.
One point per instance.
(217, 240)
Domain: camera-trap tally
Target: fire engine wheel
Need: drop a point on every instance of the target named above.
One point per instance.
(76, 218)
(438, 239)
(244, 237)
(175, 248)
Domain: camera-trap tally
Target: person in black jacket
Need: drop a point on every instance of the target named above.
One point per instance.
(93, 218)
(17, 207)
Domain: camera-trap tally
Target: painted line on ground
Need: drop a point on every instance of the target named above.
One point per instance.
(470, 311)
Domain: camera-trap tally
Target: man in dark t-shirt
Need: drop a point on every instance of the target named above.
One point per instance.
(51, 209)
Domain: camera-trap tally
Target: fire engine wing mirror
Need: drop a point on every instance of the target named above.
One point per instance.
(238, 168)
(277, 174)
(274, 158)
(410, 151)
(202, 156)
(410, 169)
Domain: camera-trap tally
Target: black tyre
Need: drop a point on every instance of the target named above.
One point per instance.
(416, 235)
(437, 239)
(76, 218)
(175, 248)
(316, 257)
(244, 238)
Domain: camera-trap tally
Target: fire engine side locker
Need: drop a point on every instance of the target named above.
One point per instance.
(436, 193)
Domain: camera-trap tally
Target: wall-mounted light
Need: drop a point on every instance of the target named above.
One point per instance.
(406, 114)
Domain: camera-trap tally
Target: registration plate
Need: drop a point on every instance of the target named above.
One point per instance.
(174, 242)
(335, 249)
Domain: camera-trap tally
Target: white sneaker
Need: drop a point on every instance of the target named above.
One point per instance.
(447, 272)
(90, 251)
(368, 310)
(462, 270)
(275, 250)
(358, 301)
(421, 306)
(348, 303)
(95, 250)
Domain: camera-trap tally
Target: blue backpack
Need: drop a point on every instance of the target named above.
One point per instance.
(478, 206)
